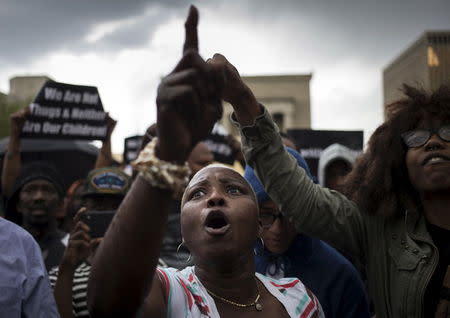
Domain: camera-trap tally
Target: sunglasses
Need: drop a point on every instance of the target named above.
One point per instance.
(419, 137)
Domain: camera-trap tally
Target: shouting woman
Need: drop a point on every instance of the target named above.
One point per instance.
(219, 221)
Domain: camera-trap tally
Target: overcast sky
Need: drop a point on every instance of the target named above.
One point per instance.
(125, 47)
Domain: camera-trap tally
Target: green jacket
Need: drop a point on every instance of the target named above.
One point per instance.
(399, 254)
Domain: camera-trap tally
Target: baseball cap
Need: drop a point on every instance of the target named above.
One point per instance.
(109, 180)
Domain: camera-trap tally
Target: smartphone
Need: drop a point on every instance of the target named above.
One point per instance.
(98, 222)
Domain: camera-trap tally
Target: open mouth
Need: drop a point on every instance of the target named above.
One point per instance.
(435, 158)
(216, 223)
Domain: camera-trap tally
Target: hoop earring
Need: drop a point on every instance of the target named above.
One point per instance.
(178, 256)
(262, 243)
(179, 246)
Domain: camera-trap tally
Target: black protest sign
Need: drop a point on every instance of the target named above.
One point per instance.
(66, 111)
(218, 144)
(131, 148)
(312, 142)
(220, 148)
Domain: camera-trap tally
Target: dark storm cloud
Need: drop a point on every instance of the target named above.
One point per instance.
(375, 30)
(133, 33)
(32, 28)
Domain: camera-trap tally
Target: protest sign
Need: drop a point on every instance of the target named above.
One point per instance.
(131, 148)
(218, 144)
(313, 142)
(65, 111)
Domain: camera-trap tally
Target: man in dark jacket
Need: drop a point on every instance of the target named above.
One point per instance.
(36, 197)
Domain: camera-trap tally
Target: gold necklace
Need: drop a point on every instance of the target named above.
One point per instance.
(255, 303)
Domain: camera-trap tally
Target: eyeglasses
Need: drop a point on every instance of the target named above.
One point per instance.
(267, 219)
(419, 137)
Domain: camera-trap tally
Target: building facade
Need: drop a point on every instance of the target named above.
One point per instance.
(425, 63)
(22, 90)
(25, 87)
(287, 98)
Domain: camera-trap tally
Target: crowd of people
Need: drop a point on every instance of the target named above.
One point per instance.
(184, 236)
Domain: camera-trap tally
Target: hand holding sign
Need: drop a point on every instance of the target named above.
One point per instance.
(110, 125)
(17, 120)
(188, 101)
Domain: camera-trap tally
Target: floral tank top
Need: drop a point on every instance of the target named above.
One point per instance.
(186, 297)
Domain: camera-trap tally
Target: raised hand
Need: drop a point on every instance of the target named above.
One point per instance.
(110, 125)
(17, 120)
(13, 161)
(234, 90)
(79, 247)
(188, 101)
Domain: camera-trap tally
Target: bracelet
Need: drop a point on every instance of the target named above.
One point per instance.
(159, 173)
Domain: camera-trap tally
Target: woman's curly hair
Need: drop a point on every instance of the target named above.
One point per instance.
(379, 182)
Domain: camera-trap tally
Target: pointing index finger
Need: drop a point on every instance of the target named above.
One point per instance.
(191, 41)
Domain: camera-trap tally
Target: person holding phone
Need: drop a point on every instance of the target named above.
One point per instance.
(102, 194)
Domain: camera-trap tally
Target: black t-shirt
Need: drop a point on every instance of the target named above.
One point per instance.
(441, 238)
(52, 248)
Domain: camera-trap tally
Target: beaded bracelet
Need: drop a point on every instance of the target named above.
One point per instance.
(159, 173)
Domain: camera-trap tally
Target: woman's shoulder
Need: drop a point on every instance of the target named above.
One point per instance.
(293, 294)
(282, 284)
(185, 295)
(175, 272)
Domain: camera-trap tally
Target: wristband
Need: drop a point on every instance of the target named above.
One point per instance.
(159, 173)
